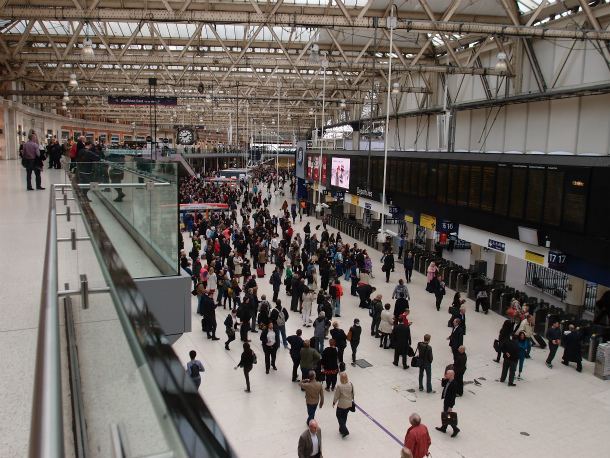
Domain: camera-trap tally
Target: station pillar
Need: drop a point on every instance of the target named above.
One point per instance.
(476, 254)
(430, 239)
(575, 297)
(500, 267)
(601, 290)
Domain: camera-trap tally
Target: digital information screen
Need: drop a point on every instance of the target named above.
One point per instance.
(452, 183)
(463, 182)
(442, 183)
(535, 193)
(553, 197)
(502, 187)
(340, 172)
(474, 191)
(517, 191)
(489, 182)
(414, 178)
(575, 200)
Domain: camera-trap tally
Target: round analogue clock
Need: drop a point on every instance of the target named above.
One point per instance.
(186, 136)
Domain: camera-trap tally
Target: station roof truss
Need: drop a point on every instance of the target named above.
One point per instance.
(225, 58)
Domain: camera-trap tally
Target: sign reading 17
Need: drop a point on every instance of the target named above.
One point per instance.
(557, 258)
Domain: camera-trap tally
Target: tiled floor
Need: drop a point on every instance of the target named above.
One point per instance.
(563, 413)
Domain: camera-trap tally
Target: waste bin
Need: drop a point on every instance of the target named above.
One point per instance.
(602, 361)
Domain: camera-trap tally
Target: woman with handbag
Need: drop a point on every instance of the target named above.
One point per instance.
(505, 335)
(344, 398)
(270, 339)
(330, 365)
(248, 358)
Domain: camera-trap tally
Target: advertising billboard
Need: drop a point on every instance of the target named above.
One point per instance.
(340, 172)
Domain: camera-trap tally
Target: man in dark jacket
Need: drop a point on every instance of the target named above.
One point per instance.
(294, 291)
(340, 339)
(400, 306)
(401, 336)
(276, 282)
(554, 336)
(378, 306)
(296, 343)
(209, 314)
(409, 262)
(365, 291)
(572, 351)
(425, 353)
(456, 339)
(460, 369)
(449, 394)
(511, 357)
(84, 159)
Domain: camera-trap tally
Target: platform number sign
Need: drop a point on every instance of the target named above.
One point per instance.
(447, 225)
(393, 210)
(367, 206)
(557, 259)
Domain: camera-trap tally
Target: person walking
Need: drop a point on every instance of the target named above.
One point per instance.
(401, 336)
(314, 394)
(32, 159)
(510, 349)
(310, 442)
(386, 325)
(572, 351)
(308, 298)
(439, 291)
(417, 439)
(309, 359)
(246, 361)
(353, 336)
(276, 281)
(344, 398)
(408, 265)
(388, 265)
(279, 315)
(319, 331)
(270, 339)
(195, 369)
(505, 335)
(460, 369)
(554, 336)
(448, 396)
(375, 312)
(522, 344)
(296, 344)
(432, 269)
(230, 325)
(527, 328)
(340, 339)
(330, 365)
(456, 339)
(425, 353)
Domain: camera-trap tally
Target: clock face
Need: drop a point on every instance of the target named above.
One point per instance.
(186, 136)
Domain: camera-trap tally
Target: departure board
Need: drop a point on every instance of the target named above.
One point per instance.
(535, 193)
(442, 183)
(518, 185)
(414, 178)
(432, 180)
(406, 183)
(575, 199)
(391, 172)
(463, 182)
(452, 183)
(553, 197)
(423, 175)
(489, 182)
(399, 176)
(502, 190)
(474, 190)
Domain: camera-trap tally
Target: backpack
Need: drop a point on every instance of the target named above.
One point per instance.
(194, 370)
(372, 310)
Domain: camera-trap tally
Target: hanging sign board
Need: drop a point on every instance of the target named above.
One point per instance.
(427, 221)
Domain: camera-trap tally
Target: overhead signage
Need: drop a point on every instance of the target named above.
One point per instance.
(326, 192)
(393, 210)
(447, 227)
(427, 221)
(557, 259)
(364, 192)
(534, 257)
(355, 200)
(340, 195)
(495, 245)
(180, 126)
(300, 156)
(408, 218)
(142, 100)
(367, 206)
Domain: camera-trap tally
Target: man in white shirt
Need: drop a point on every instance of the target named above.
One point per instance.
(275, 243)
(310, 442)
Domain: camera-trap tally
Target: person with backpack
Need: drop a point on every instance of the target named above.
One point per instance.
(279, 315)
(195, 369)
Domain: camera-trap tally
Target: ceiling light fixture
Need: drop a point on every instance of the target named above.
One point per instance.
(87, 48)
(188, 108)
(342, 104)
(396, 88)
(501, 65)
(208, 98)
(73, 82)
(66, 97)
(314, 56)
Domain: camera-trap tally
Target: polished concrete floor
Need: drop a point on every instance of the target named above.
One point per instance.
(552, 412)
(556, 412)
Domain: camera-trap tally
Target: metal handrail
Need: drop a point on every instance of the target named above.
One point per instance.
(46, 428)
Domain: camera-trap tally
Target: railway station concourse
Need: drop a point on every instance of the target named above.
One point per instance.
(478, 129)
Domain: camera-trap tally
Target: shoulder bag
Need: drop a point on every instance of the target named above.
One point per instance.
(416, 361)
(353, 406)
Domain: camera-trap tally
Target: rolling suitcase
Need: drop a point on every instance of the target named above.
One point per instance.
(540, 341)
(260, 273)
